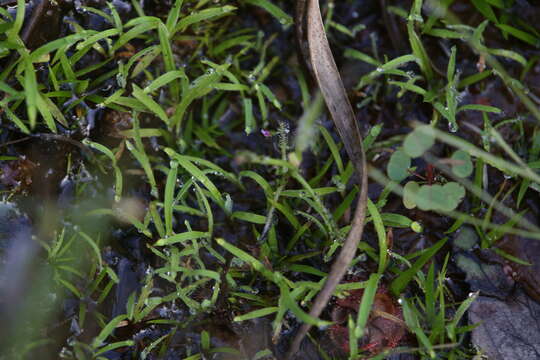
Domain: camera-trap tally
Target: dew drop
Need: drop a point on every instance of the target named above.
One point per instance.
(452, 127)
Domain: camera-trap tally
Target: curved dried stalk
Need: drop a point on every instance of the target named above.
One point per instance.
(327, 75)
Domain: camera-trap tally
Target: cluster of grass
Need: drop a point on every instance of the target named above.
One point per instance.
(179, 101)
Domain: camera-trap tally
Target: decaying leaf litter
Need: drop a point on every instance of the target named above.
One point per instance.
(195, 235)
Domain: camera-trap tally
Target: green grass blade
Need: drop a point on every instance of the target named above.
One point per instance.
(285, 19)
(381, 235)
(181, 238)
(242, 255)
(398, 284)
(150, 104)
(203, 15)
(107, 331)
(174, 15)
(256, 314)
(365, 304)
(168, 202)
(194, 171)
(164, 80)
(168, 59)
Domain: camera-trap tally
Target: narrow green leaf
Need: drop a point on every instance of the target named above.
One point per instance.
(451, 328)
(285, 19)
(194, 171)
(97, 37)
(520, 34)
(19, 20)
(419, 52)
(408, 86)
(31, 91)
(20, 124)
(366, 303)
(256, 314)
(250, 217)
(381, 235)
(181, 238)
(509, 54)
(164, 80)
(115, 345)
(412, 321)
(168, 60)
(355, 54)
(63, 43)
(398, 284)
(333, 148)
(202, 15)
(153, 106)
(198, 88)
(242, 255)
(291, 304)
(451, 70)
(168, 202)
(93, 246)
(117, 171)
(136, 31)
(174, 15)
(485, 9)
(107, 331)
(249, 126)
(479, 107)
(397, 62)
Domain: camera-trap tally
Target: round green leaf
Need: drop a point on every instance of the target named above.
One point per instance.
(409, 194)
(441, 198)
(462, 165)
(430, 197)
(453, 193)
(398, 166)
(437, 197)
(419, 141)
